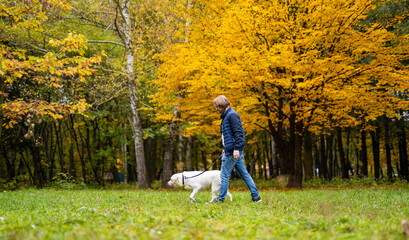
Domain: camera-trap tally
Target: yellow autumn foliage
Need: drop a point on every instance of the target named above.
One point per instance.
(312, 61)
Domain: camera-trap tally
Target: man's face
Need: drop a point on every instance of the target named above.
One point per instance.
(220, 109)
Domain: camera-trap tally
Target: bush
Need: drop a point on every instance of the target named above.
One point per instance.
(63, 181)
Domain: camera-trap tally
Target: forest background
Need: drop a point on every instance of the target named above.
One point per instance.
(106, 90)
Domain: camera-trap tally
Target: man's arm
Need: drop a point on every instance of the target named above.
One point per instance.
(238, 134)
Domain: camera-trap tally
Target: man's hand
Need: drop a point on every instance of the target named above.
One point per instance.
(236, 154)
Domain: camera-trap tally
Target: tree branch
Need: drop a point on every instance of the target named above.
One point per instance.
(109, 42)
(111, 71)
(102, 101)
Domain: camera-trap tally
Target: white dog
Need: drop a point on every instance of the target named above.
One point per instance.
(197, 180)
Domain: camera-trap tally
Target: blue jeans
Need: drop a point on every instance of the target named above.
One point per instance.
(228, 163)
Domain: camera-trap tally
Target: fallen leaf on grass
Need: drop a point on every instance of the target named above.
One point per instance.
(405, 227)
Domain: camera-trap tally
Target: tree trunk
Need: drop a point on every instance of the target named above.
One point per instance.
(375, 136)
(403, 152)
(389, 168)
(150, 155)
(253, 161)
(84, 147)
(170, 148)
(364, 154)
(80, 153)
(143, 181)
(344, 168)
(268, 152)
(290, 161)
(189, 153)
(263, 163)
(274, 161)
(316, 155)
(330, 155)
(204, 159)
(26, 164)
(336, 169)
(52, 150)
(20, 169)
(1, 111)
(323, 170)
(9, 164)
(1, 103)
(308, 162)
(295, 156)
(96, 167)
(124, 154)
(180, 164)
(73, 170)
(282, 145)
(58, 134)
(347, 143)
(295, 180)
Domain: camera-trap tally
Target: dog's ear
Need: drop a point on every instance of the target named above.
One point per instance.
(179, 179)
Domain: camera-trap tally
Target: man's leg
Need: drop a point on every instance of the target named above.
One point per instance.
(242, 171)
(228, 163)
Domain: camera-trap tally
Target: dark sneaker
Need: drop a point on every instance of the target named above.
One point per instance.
(257, 199)
(215, 202)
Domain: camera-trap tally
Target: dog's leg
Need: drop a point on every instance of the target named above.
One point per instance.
(214, 195)
(215, 190)
(192, 196)
(230, 196)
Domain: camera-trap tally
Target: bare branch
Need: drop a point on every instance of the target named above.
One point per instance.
(111, 71)
(102, 101)
(110, 42)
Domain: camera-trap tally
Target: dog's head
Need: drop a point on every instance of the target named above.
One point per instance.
(175, 180)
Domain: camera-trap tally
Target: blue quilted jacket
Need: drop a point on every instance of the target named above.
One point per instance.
(232, 132)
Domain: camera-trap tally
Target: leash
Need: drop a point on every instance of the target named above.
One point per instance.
(183, 176)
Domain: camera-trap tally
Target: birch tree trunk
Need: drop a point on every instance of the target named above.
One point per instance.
(124, 156)
(143, 181)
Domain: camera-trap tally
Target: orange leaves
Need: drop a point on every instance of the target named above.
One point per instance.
(17, 110)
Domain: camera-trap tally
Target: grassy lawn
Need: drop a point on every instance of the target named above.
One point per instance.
(367, 213)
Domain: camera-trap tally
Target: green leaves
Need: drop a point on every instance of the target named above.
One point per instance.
(42, 71)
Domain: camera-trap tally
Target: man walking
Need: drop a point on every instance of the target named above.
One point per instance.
(233, 140)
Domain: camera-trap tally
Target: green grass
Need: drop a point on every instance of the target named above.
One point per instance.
(369, 213)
